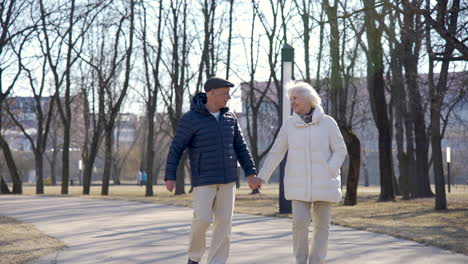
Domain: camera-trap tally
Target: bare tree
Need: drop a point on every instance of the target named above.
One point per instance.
(342, 90)
(257, 99)
(64, 108)
(178, 71)
(13, 37)
(338, 107)
(260, 98)
(318, 85)
(153, 84)
(376, 88)
(305, 11)
(404, 132)
(115, 100)
(77, 19)
(107, 70)
(44, 107)
(228, 60)
(411, 36)
(445, 31)
(208, 11)
(437, 91)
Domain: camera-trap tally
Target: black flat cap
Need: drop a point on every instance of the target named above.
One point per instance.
(216, 82)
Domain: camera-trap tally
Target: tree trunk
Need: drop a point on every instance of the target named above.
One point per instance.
(366, 175)
(66, 158)
(400, 112)
(318, 85)
(116, 170)
(420, 183)
(354, 151)
(65, 109)
(150, 153)
(376, 87)
(437, 97)
(228, 62)
(177, 85)
(336, 83)
(53, 163)
(410, 39)
(304, 12)
(387, 192)
(87, 175)
(4, 186)
(39, 172)
(17, 182)
(441, 200)
(152, 101)
(91, 154)
(107, 161)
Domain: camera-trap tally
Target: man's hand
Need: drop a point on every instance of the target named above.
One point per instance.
(170, 185)
(254, 182)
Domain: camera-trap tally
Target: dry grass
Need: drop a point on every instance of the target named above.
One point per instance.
(414, 219)
(22, 243)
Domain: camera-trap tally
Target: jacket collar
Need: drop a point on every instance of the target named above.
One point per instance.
(317, 116)
(198, 105)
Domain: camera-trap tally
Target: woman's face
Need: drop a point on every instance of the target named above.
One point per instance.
(299, 103)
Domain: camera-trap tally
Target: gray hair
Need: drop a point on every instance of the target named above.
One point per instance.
(305, 89)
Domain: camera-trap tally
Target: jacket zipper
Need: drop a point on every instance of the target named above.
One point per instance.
(218, 122)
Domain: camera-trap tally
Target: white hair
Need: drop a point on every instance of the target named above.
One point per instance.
(305, 89)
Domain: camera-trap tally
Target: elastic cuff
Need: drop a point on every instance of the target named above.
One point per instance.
(250, 172)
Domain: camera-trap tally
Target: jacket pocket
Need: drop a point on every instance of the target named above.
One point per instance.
(334, 173)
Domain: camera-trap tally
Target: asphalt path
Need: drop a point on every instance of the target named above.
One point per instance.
(113, 231)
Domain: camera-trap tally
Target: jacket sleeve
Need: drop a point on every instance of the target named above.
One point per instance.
(275, 156)
(337, 147)
(242, 151)
(183, 135)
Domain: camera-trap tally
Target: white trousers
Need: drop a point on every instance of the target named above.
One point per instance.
(209, 200)
(321, 217)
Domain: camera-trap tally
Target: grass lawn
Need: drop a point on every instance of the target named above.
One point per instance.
(414, 219)
(22, 243)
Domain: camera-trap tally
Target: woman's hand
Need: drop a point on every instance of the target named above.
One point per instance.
(254, 182)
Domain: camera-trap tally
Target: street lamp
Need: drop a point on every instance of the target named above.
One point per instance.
(448, 167)
(287, 74)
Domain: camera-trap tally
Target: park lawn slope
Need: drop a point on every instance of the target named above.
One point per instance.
(22, 243)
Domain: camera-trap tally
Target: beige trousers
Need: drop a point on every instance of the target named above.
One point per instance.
(209, 200)
(321, 217)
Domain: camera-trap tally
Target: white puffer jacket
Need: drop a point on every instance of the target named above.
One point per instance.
(316, 152)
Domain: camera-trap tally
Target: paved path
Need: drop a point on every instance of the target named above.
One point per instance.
(107, 231)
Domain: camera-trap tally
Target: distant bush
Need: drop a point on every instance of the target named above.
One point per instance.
(48, 181)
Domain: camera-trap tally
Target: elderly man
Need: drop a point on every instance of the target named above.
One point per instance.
(215, 142)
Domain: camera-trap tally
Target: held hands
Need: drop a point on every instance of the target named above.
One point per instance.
(170, 185)
(254, 182)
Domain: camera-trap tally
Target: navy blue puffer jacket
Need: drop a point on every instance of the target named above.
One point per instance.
(214, 146)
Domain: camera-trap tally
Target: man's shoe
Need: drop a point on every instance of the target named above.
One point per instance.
(191, 262)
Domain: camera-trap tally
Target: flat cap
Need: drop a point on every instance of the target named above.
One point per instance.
(217, 82)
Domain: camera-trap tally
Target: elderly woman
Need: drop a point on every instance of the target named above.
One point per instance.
(316, 151)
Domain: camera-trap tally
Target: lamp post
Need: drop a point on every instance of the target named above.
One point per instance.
(448, 168)
(287, 74)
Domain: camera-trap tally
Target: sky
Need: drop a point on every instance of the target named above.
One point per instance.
(240, 63)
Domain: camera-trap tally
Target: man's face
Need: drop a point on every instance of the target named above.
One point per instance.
(219, 97)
